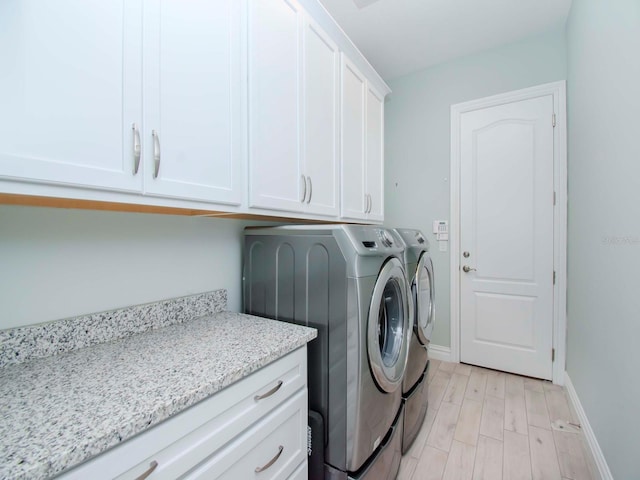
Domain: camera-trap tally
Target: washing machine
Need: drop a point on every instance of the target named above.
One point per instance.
(419, 268)
(349, 283)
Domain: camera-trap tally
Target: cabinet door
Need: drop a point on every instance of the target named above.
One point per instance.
(301, 473)
(270, 449)
(353, 137)
(192, 100)
(70, 92)
(275, 179)
(375, 154)
(320, 135)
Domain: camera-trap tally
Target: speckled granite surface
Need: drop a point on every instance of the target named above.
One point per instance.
(26, 343)
(61, 410)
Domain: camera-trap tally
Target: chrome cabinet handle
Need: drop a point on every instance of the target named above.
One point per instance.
(136, 149)
(304, 191)
(370, 203)
(310, 190)
(468, 269)
(156, 153)
(257, 398)
(270, 462)
(152, 466)
(366, 203)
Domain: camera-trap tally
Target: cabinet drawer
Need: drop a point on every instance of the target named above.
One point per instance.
(301, 473)
(271, 449)
(180, 443)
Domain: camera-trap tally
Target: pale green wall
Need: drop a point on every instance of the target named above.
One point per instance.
(603, 95)
(57, 263)
(417, 141)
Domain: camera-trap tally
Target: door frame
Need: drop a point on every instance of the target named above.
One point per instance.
(558, 92)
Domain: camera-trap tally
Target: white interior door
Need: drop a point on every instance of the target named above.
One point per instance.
(506, 237)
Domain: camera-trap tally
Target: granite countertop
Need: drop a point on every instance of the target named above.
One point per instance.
(61, 410)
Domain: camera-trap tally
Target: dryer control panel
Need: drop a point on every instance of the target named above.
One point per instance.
(413, 238)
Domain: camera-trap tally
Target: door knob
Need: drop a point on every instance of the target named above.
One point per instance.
(467, 269)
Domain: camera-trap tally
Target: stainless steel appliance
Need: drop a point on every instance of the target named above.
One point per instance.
(349, 282)
(419, 268)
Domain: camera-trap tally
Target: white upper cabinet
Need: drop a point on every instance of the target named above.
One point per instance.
(76, 111)
(375, 154)
(192, 124)
(258, 106)
(362, 147)
(276, 180)
(320, 128)
(354, 196)
(70, 92)
(293, 111)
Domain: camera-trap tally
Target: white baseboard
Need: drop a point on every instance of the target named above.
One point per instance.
(438, 352)
(596, 451)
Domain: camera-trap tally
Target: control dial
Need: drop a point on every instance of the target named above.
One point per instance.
(386, 238)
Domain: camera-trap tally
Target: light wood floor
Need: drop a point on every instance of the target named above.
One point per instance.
(483, 424)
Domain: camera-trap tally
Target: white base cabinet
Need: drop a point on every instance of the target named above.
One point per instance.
(301, 473)
(272, 449)
(255, 428)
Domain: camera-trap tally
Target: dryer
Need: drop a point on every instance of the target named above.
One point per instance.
(349, 283)
(419, 268)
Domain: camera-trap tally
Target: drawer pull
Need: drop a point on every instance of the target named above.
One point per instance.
(152, 466)
(272, 461)
(257, 398)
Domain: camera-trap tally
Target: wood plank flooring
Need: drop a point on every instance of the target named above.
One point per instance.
(488, 425)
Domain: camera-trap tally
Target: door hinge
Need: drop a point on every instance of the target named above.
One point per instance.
(553, 120)
(554, 277)
(553, 355)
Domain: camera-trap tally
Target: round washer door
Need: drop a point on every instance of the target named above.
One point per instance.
(389, 327)
(423, 296)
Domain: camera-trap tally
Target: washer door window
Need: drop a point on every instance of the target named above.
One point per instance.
(389, 327)
(423, 294)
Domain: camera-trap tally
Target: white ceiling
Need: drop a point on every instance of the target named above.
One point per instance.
(403, 36)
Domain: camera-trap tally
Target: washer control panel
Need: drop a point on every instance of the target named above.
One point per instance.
(386, 238)
(373, 240)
